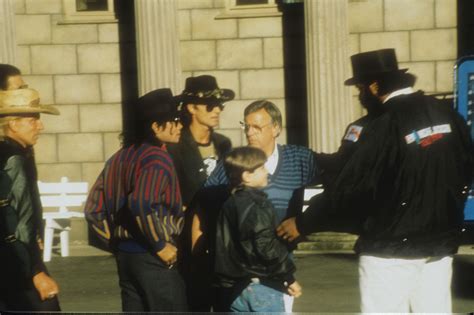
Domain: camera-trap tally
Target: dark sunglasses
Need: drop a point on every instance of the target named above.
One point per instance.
(210, 107)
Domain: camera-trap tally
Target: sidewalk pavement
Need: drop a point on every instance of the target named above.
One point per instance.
(88, 281)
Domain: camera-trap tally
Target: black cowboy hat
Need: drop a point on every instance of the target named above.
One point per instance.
(373, 64)
(159, 104)
(203, 89)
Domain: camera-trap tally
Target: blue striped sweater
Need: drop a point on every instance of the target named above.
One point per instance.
(296, 168)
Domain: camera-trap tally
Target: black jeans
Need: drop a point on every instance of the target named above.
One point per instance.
(26, 300)
(147, 284)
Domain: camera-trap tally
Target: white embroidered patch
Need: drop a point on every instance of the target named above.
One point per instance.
(446, 128)
(427, 132)
(423, 133)
(353, 133)
(410, 138)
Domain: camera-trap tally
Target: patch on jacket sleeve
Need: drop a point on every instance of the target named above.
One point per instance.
(353, 133)
(426, 136)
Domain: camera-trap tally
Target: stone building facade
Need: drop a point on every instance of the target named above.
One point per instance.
(76, 66)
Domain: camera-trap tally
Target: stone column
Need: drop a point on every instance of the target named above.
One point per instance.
(7, 32)
(158, 52)
(327, 66)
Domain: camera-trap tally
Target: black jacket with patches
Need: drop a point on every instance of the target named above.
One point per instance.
(247, 245)
(314, 219)
(410, 175)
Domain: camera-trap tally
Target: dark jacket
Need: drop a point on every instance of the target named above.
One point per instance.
(330, 164)
(189, 164)
(409, 174)
(316, 218)
(23, 217)
(247, 245)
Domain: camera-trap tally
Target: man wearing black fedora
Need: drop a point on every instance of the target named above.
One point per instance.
(330, 164)
(135, 207)
(409, 176)
(195, 157)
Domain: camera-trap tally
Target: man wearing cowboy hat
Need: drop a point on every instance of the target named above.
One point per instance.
(135, 207)
(195, 157)
(410, 175)
(25, 285)
(200, 146)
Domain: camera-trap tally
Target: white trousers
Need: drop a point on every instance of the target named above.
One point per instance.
(288, 300)
(393, 285)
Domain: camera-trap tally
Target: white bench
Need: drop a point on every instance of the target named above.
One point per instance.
(60, 196)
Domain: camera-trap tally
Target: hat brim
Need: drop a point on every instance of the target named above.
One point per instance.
(225, 96)
(41, 109)
(368, 77)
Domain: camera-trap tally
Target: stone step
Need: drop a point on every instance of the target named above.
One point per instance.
(328, 241)
(332, 236)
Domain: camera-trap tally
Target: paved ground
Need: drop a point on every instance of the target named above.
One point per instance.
(90, 284)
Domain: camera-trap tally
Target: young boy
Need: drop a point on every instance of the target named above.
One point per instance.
(250, 259)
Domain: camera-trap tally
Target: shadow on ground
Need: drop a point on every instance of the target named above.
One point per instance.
(330, 283)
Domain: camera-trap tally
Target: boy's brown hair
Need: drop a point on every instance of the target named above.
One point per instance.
(242, 159)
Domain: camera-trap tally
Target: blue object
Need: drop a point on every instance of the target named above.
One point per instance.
(464, 103)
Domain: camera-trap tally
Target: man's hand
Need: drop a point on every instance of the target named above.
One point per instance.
(295, 289)
(45, 285)
(287, 230)
(169, 254)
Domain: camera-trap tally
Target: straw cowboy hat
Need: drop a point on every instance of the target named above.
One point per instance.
(23, 101)
(373, 64)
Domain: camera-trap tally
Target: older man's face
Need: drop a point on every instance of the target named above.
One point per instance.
(25, 130)
(261, 132)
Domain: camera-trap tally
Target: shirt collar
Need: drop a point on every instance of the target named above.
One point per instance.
(404, 91)
(272, 161)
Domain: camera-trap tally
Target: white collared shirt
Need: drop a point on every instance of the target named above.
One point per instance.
(272, 161)
(404, 91)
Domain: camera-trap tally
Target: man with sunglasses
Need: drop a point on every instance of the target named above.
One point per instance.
(195, 157)
(135, 207)
(197, 152)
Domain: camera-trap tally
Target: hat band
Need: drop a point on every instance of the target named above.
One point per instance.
(217, 93)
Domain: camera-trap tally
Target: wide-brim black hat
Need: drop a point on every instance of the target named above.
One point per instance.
(203, 89)
(373, 64)
(157, 105)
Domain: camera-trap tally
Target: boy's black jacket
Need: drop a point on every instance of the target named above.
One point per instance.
(247, 245)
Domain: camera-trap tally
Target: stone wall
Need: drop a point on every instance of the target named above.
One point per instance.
(75, 67)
